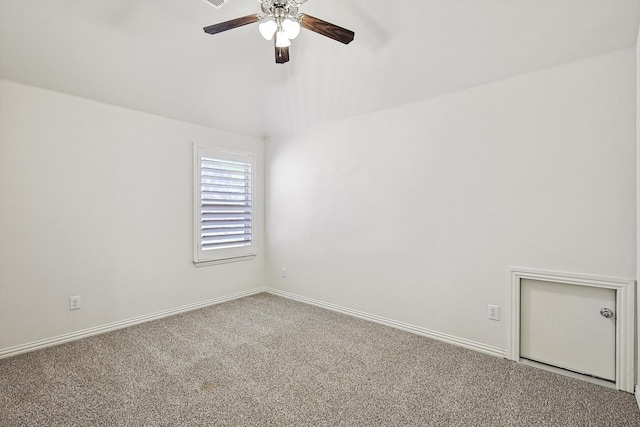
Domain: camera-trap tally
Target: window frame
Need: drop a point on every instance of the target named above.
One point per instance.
(202, 257)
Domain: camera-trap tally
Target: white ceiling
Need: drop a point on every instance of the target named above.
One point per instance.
(152, 55)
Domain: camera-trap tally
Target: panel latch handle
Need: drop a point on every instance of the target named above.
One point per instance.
(606, 312)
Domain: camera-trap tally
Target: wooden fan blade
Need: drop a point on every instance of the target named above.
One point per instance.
(327, 29)
(230, 25)
(282, 55)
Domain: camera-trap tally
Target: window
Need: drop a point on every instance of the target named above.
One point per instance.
(223, 212)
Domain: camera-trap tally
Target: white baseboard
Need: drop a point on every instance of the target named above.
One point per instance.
(37, 345)
(638, 395)
(472, 345)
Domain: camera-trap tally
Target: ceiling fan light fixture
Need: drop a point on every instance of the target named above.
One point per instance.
(291, 27)
(282, 40)
(268, 27)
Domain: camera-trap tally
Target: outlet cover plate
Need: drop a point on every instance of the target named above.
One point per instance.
(74, 302)
(493, 312)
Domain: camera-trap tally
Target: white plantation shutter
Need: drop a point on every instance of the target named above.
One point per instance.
(223, 202)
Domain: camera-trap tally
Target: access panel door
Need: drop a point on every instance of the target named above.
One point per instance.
(566, 326)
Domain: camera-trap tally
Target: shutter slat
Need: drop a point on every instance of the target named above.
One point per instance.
(225, 181)
(226, 238)
(212, 197)
(231, 178)
(222, 225)
(229, 164)
(227, 203)
(216, 237)
(208, 195)
(225, 217)
(218, 240)
(225, 190)
(224, 210)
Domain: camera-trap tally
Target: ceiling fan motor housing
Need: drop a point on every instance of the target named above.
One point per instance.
(280, 8)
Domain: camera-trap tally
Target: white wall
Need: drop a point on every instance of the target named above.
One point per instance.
(416, 213)
(96, 200)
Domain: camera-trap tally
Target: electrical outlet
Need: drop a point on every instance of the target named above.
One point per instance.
(494, 312)
(74, 302)
(283, 272)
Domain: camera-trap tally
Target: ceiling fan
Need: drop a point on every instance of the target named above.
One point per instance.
(281, 22)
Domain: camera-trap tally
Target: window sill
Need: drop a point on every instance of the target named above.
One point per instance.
(223, 261)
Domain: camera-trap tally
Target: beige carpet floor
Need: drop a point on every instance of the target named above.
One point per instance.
(268, 361)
